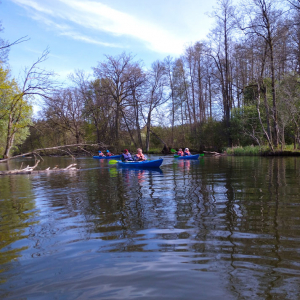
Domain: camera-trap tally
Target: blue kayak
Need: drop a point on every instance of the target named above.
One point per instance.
(195, 156)
(108, 157)
(141, 164)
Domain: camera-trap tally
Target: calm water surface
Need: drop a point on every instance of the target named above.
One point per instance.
(217, 228)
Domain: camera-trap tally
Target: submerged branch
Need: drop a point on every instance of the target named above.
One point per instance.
(30, 170)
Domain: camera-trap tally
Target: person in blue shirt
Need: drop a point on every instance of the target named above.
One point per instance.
(187, 152)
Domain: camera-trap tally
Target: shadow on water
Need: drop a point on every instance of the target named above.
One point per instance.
(217, 227)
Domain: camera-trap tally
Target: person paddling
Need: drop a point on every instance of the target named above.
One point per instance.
(180, 152)
(139, 156)
(126, 156)
(100, 153)
(108, 153)
(187, 152)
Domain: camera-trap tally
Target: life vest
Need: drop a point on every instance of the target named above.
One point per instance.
(108, 154)
(187, 153)
(139, 157)
(127, 156)
(180, 153)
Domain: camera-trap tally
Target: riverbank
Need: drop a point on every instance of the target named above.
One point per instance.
(261, 151)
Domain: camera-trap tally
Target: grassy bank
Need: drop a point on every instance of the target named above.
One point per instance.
(262, 151)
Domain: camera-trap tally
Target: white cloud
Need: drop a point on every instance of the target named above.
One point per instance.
(79, 37)
(102, 18)
(34, 5)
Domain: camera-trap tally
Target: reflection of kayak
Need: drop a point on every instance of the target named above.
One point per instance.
(138, 171)
(108, 157)
(195, 156)
(141, 164)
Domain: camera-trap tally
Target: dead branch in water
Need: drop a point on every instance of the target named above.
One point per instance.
(213, 153)
(35, 152)
(30, 170)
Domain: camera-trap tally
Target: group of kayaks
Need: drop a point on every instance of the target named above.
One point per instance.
(143, 164)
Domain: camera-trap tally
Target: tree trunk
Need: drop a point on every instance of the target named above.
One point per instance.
(276, 128)
(117, 124)
(259, 117)
(128, 129)
(148, 131)
(137, 123)
(9, 139)
(267, 113)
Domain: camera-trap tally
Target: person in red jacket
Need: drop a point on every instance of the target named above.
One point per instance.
(100, 153)
(108, 153)
(180, 152)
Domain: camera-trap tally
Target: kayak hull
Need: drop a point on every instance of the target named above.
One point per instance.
(195, 156)
(108, 157)
(141, 164)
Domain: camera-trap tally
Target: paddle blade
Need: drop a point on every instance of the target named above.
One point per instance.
(202, 154)
(173, 150)
(176, 155)
(112, 162)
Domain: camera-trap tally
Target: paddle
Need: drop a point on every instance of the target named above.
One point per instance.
(176, 155)
(113, 162)
(173, 151)
(202, 154)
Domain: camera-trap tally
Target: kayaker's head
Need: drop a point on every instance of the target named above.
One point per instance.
(186, 149)
(99, 151)
(125, 151)
(107, 151)
(139, 150)
(180, 149)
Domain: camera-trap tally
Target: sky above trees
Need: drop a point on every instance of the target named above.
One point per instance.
(79, 32)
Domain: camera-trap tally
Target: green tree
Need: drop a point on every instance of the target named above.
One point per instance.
(15, 113)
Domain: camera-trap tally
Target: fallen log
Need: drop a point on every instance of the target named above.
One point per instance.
(58, 148)
(30, 170)
(213, 153)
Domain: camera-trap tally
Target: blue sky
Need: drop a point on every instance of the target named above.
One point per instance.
(79, 32)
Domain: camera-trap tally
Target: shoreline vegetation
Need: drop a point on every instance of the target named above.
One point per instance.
(261, 151)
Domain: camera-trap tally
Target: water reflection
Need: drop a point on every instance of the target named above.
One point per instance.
(232, 221)
(17, 216)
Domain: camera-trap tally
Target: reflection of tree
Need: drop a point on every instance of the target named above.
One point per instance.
(16, 208)
(239, 215)
(258, 225)
(117, 205)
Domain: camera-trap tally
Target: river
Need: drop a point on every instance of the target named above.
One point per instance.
(216, 228)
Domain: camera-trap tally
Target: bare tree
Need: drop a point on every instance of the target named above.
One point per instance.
(169, 65)
(97, 105)
(65, 109)
(222, 54)
(116, 73)
(5, 45)
(157, 83)
(263, 18)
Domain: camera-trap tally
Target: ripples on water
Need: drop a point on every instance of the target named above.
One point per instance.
(215, 228)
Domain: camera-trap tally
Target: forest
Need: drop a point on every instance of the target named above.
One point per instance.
(238, 87)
